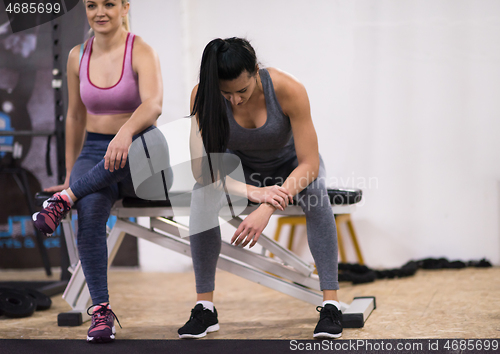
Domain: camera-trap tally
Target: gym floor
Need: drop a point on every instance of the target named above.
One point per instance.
(432, 304)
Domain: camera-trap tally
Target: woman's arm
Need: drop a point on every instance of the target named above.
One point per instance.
(294, 102)
(147, 66)
(76, 117)
(275, 195)
(196, 147)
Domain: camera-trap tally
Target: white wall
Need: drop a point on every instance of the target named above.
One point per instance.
(160, 24)
(404, 101)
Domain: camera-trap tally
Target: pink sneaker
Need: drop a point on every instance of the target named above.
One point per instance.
(55, 209)
(102, 329)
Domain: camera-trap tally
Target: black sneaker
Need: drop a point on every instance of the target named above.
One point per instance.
(330, 322)
(201, 322)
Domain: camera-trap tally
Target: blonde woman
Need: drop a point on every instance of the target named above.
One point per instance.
(115, 94)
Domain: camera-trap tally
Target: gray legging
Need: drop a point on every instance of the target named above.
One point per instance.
(321, 230)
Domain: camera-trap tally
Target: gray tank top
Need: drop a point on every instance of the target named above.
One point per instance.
(269, 146)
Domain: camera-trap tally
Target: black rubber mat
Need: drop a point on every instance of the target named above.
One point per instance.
(27, 346)
(232, 346)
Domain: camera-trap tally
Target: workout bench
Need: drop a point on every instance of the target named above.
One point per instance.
(287, 273)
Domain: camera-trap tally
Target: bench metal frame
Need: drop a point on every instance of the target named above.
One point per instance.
(287, 273)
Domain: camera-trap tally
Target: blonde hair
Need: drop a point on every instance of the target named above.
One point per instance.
(125, 24)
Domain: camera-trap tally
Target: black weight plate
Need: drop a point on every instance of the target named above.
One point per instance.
(10, 289)
(43, 302)
(15, 304)
(1, 312)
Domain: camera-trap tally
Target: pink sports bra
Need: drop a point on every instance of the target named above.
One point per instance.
(123, 97)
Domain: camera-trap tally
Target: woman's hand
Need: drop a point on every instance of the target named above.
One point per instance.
(58, 188)
(117, 153)
(253, 225)
(277, 196)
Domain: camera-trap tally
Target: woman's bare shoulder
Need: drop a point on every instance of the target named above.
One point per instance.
(74, 56)
(286, 86)
(141, 47)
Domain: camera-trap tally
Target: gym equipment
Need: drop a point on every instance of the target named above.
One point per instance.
(15, 304)
(341, 219)
(43, 302)
(286, 272)
(356, 314)
(16, 150)
(20, 175)
(345, 196)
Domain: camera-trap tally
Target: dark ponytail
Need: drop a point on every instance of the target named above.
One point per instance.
(223, 59)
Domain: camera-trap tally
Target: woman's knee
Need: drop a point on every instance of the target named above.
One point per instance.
(313, 198)
(96, 203)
